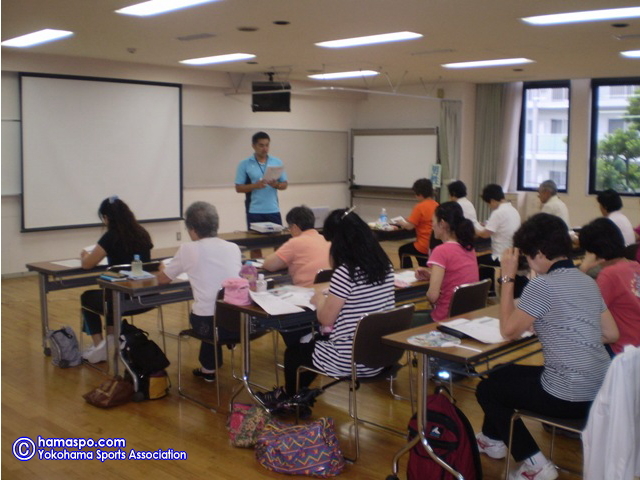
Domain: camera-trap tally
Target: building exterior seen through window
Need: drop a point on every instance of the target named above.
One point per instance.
(615, 141)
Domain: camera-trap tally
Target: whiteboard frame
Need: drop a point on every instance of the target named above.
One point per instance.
(389, 132)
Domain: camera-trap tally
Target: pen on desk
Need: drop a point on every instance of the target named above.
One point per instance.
(470, 348)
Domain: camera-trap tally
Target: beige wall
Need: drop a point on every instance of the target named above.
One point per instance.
(205, 103)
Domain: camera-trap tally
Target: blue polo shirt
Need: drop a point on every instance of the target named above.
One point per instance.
(263, 200)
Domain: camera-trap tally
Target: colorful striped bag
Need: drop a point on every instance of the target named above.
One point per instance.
(309, 449)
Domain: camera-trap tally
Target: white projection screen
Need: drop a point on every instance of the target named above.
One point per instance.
(85, 139)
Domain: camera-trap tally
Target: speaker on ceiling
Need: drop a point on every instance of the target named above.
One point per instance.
(276, 99)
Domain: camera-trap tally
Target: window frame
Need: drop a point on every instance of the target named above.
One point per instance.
(523, 130)
(593, 134)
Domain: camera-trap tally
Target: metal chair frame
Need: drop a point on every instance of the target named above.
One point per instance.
(371, 328)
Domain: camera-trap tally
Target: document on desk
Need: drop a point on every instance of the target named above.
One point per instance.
(483, 329)
(300, 296)
(404, 279)
(183, 277)
(272, 173)
(76, 263)
(274, 305)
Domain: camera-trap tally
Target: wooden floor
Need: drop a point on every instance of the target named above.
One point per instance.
(39, 399)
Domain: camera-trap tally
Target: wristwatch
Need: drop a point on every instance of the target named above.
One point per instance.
(506, 279)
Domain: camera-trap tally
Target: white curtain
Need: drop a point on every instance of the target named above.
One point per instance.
(508, 163)
(449, 142)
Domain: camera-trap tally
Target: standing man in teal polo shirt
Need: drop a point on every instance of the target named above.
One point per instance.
(261, 203)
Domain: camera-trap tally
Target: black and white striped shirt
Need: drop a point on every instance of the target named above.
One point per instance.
(334, 355)
(567, 308)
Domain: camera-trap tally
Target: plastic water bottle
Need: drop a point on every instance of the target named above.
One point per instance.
(136, 266)
(261, 283)
(249, 272)
(383, 220)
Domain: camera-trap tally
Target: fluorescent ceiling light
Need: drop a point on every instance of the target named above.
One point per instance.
(371, 39)
(36, 38)
(586, 16)
(631, 54)
(337, 75)
(231, 57)
(155, 7)
(488, 63)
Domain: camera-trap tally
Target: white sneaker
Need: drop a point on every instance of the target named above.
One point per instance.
(493, 448)
(97, 353)
(528, 472)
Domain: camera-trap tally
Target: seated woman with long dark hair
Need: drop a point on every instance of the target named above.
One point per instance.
(362, 283)
(452, 263)
(124, 238)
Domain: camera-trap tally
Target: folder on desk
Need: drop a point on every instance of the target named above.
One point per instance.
(265, 227)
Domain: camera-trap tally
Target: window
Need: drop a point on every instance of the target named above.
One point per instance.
(544, 135)
(615, 136)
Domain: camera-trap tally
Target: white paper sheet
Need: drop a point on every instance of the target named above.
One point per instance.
(273, 173)
(274, 305)
(408, 277)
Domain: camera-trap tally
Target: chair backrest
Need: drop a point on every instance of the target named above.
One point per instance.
(630, 251)
(323, 275)
(368, 348)
(469, 297)
(226, 317)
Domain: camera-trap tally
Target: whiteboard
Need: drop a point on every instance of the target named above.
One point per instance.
(85, 139)
(393, 158)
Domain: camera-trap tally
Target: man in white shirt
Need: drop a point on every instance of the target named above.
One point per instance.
(458, 193)
(502, 224)
(551, 203)
(610, 206)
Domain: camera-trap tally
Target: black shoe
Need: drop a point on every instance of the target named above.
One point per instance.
(272, 399)
(207, 377)
(306, 396)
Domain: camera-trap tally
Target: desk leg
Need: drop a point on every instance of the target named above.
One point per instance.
(116, 314)
(423, 381)
(245, 344)
(44, 312)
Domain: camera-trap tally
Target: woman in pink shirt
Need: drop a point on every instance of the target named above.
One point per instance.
(453, 262)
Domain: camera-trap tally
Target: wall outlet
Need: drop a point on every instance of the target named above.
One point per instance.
(178, 236)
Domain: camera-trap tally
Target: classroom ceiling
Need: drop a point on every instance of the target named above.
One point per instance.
(454, 31)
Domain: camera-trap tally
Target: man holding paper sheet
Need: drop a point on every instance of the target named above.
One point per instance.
(260, 176)
(565, 309)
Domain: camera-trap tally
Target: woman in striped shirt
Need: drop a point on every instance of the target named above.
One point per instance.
(362, 283)
(565, 309)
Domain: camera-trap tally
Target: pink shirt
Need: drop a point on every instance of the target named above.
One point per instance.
(620, 287)
(460, 267)
(305, 255)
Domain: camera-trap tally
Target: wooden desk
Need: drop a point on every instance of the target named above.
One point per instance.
(53, 276)
(134, 294)
(414, 292)
(470, 353)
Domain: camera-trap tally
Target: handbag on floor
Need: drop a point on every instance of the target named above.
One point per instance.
(309, 449)
(245, 423)
(115, 391)
(65, 351)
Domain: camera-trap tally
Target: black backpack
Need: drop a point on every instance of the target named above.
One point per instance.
(451, 437)
(143, 355)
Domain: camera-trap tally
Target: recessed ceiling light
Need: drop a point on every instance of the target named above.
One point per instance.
(586, 16)
(631, 54)
(371, 39)
(488, 63)
(231, 57)
(337, 75)
(247, 29)
(156, 7)
(281, 22)
(36, 38)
